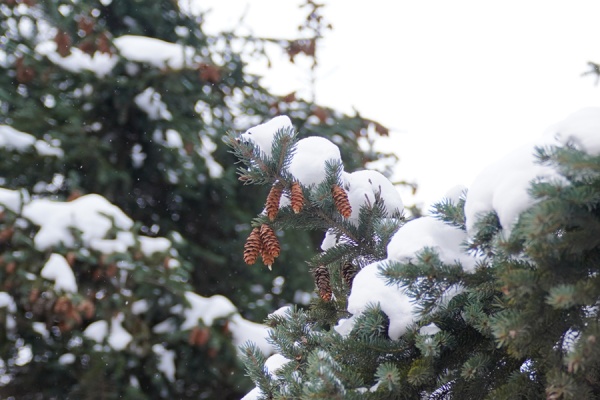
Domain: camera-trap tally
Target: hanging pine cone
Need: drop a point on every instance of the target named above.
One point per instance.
(253, 246)
(268, 259)
(63, 43)
(270, 245)
(103, 44)
(87, 309)
(10, 267)
(85, 24)
(6, 234)
(272, 205)
(209, 73)
(348, 273)
(199, 336)
(25, 74)
(297, 198)
(322, 280)
(62, 305)
(340, 199)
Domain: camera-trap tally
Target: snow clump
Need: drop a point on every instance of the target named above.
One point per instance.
(503, 187)
(447, 240)
(262, 135)
(309, 161)
(91, 214)
(13, 139)
(57, 269)
(364, 186)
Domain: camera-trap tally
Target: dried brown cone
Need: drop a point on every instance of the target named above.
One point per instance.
(253, 247)
(268, 259)
(321, 113)
(63, 43)
(34, 295)
(74, 316)
(97, 275)
(297, 198)
(6, 234)
(199, 336)
(212, 352)
(88, 46)
(103, 44)
(189, 148)
(272, 204)
(10, 267)
(62, 305)
(323, 282)
(270, 245)
(25, 73)
(269, 241)
(86, 25)
(71, 258)
(209, 73)
(87, 308)
(340, 199)
(111, 270)
(348, 273)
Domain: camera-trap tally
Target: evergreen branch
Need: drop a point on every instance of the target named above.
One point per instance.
(332, 222)
(338, 252)
(451, 213)
(254, 361)
(284, 148)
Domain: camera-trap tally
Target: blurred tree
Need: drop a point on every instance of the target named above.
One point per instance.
(138, 98)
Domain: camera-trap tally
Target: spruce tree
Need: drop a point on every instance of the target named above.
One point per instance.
(128, 101)
(493, 295)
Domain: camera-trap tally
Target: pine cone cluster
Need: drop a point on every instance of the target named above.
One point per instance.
(340, 199)
(272, 204)
(262, 241)
(323, 282)
(297, 198)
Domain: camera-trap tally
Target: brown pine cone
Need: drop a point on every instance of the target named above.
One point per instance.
(253, 247)
(272, 204)
(269, 241)
(348, 273)
(268, 260)
(323, 282)
(297, 198)
(340, 199)
(270, 245)
(63, 43)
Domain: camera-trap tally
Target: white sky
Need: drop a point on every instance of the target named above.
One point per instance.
(461, 83)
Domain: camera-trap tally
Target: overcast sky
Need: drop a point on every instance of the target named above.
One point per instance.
(461, 83)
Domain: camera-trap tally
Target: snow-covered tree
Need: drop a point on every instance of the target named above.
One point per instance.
(121, 209)
(94, 310)
(493, 295)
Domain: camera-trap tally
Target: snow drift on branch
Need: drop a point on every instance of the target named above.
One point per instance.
(91, 214)
(12, 139)
(503, 186)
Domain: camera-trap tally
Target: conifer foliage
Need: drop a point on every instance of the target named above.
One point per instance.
(494, 295)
